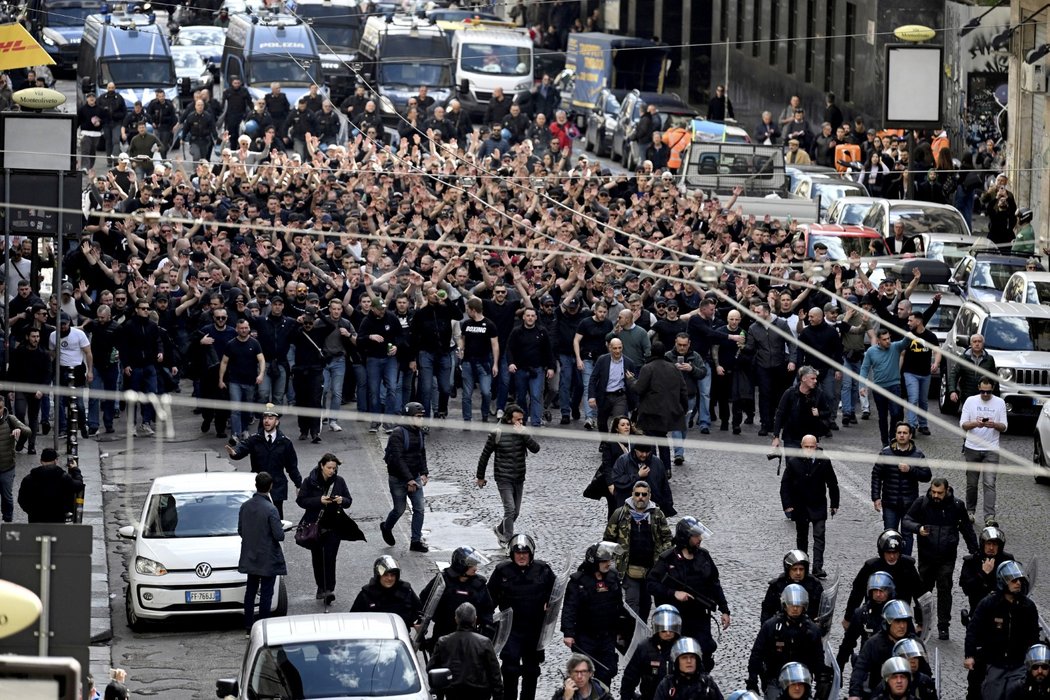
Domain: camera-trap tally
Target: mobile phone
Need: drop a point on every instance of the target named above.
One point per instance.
(985, 419)
(681, 359)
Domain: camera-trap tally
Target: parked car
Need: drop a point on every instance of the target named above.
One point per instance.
(825, 189)
(337, 656)
(1028, 288)
(189, 66)
(671, 112)
(185, 549)
(601, 121)
(205, 40)
(850, 211)
(950, 248)
(918, 217)
(984, 276)
(1041, 442)
(1018, 337)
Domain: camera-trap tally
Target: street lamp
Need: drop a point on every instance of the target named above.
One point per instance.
(976, 21)
(1037, 53)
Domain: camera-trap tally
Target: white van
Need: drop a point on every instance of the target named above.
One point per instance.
(484, 59)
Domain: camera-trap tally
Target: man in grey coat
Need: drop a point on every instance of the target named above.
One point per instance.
(262, 558)
(663, 400)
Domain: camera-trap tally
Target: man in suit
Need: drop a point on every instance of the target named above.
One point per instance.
(262, 558)
(613, 375)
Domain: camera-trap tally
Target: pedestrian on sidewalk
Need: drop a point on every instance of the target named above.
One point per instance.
(510, 442)
(12, 431)
(808, 480)
(262, 559)
(48, 493)
(983, 418)
(407, 474)
(271, 451)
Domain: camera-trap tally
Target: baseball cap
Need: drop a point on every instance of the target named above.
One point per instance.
(831, 306)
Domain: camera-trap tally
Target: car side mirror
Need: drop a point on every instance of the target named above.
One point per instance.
(225, 687)
(440, 678)
(87, 84)
(127, 532)
(464, 86)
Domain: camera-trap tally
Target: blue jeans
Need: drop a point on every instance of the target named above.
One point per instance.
(570, 386)
(400, 495)
(334, 373)
(239, 419)
(705, 398)
(103, 378)
(530, 386)
(588, 413)
(918, 388)
(850, 393)
(264, 585)
(274, 387)
(476, 372)
(893, 519)
(382, 374)
(677, 436)
(431, 366)
(7, 495)
(827, 386)
(502, 380)
(143, 379)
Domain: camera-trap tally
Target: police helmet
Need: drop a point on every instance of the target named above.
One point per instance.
(895, 665)
(895, 610)
(1024, 215)
(667, 619)
(521, 543)
(688, 527)
(685, 645)
(890, 541)
(909, 648)
(386, 564)
(882, 581)
(1037, 655)
(794, 595)
(794, 672)
(464, 558)
(413, 408)
(795, 556)
(742, 695)
(1009, 571)
(602, 551)
(993, 534)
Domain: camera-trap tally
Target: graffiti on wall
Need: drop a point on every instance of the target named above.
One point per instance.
(978, 74)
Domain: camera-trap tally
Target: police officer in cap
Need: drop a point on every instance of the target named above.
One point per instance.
(867, 619)
(977, 579)
(686, 576)
(897, 624)
(893, 561)
(386, 592)
(590, 615)
(1036, 683)
(651, 660)
(796, 570)
(788, 636)
(463, 584)
(522, 584)
(272, 452)
(687, 680)
(896, 681)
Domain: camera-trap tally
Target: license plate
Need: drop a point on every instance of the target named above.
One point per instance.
(203, 597)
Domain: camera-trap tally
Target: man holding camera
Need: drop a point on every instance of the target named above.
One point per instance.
(983, 418)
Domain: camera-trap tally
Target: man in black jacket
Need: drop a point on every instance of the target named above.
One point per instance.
(509, 442)
(431, 337)
(141, 350)
(162, 115)
(387, 593)
(237, 102)
(796, 570)
(804, 410)
(48, 492)
(807, 478)
(115, 109)
(590, 615)
(663, 400)
(788, 636)
(823, 338)
(32, 365)
(938, 518)
(906, 579)
(471, 658)
(262, 559)
(406, 466)
(530, 358)
(272, 452)
(274, 333)
(977, 578)
(770, 352)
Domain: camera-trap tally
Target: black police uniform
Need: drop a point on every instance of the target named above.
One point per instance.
(905, 579)
(999, 634)
(771, 603)
(867, 669)
(865, 622)
(783, 639)
(591, 616)
(525, 590)
(692, 686)
(474, 591)
(650, 664)
(399, 600)
(975, 583)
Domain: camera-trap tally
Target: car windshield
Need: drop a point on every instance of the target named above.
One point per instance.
(928, 221)
(140, 72)
(831, 190)
(412, 75)
(300, 71)
(1017, 333)
(334, 669)
(942, 320)
(675, 121)
(841, 247)
(948, 252)
(201, 36)
(68, 14)
(495, 60)
(336, 36)
(203, 514)
(187, 60)
(989, 275)
(612, 105)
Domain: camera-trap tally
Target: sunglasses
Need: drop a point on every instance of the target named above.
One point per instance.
(220, 318)
(986, 393)
(644, 494)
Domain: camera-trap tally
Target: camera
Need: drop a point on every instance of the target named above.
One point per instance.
(773, 455)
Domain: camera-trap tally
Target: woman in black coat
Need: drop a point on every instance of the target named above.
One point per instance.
(618, 443)
(324, 496)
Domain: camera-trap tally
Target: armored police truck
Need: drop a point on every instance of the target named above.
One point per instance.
(130, 50)
(337, 30)
(262, 49)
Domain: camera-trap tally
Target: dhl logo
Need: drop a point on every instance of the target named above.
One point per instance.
(11, 46)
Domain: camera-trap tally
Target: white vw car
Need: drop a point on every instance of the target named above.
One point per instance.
(186, 548)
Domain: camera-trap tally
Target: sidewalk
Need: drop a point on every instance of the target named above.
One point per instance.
(101, 623)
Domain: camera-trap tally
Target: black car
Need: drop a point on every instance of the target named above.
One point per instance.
(601, 121)
(671, 112)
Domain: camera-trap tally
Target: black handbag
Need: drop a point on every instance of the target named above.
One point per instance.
(308, 535)
(598, 488)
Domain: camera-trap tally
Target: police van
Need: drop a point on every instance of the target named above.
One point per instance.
(57, 26)
(400, 53)
(487, 58)
(337, 28)
(265, 48)
(130, 50)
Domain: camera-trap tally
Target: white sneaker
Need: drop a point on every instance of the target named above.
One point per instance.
(335, 427)
(143, 431)
(499, 414)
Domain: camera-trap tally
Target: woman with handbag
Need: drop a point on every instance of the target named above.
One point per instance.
(618, 443)
(324, 496)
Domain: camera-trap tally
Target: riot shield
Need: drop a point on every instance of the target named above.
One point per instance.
(639, 631)
(552, 618)
(836, 673)
(937, 670)
(1031, 570)
(828, 599)
(504, 620)
(1044, 629)
(929, 619)
(429, 608)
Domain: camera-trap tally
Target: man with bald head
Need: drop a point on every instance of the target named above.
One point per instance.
(613, 374)
(819, 344)
(635, 339)
(808, 480)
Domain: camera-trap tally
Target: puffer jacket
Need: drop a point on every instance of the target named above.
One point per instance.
(7, 442)
(899, 489)
(944, 520)
(963, 378)
(510, 448)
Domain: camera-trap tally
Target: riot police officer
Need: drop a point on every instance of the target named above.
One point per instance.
(1036, 683)
(686, 576)
(896, 681)
(922, 684)
(522, 584)
(1001, 630)
(894, 562)
(387, 593)
(795, 681)
(977, 579)
(867, 619)
(590, 616)
(463, 584)
(687, 680)
(788, 636)
(897, 624)
(796, 570)
(651, 661)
